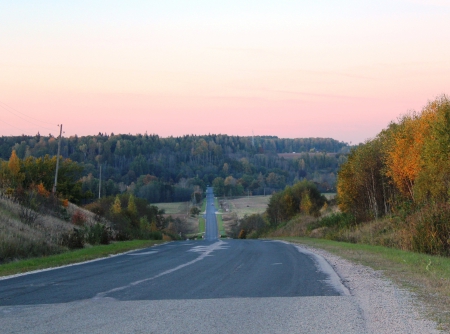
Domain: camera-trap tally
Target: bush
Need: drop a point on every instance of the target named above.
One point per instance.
(429, 230)
(78, 218)
(74, 239)
(242, 234)
(338, 220)
(98, 234)
(194, 211)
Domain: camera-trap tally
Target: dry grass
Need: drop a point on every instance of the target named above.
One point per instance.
(19, 240)
(176, 208)
(236, 208)
(245, 205)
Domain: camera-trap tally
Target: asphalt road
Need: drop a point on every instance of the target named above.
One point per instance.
(211, 229)
(208, 286)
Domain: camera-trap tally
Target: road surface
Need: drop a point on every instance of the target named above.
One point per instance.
(207, 286)
(211, 229)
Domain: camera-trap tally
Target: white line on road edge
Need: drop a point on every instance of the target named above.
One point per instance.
(333, 278)
(211, 248)
(72, 264)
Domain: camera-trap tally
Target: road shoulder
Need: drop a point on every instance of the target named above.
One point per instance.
(384, 306)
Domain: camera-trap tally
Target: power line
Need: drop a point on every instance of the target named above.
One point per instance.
(25, 114)
(13, 126)
(8, 107)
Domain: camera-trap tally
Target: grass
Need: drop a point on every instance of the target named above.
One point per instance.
(76, 256)
(247, 205)
(427, 276)
(203, 206)
(329, 195)
(174, 208)
(201, 225)
(220, 224)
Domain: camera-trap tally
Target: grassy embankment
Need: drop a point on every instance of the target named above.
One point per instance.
(220, 225)
(427, 276)
(71, 257)
(201, 219)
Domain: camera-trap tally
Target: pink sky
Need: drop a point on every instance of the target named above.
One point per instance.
(293, 69)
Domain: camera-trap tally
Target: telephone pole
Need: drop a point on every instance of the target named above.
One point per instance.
(57, 161)
(100, 183)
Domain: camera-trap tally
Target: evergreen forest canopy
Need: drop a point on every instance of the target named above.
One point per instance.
(172, 169)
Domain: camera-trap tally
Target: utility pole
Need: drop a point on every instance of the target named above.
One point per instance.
(57, 161)
(100, 183)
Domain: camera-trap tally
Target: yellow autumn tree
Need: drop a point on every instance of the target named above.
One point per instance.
(306, 204)
(433, 181)
(116, 208)
(405, 147)
(132, 209)
(10, 172)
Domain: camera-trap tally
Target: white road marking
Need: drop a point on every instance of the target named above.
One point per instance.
(206, 251)
(143, 253)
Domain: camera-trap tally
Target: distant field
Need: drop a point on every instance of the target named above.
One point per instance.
(329, 195)
(177, 208)
(245, 205)
(181, 210)
(298, 155)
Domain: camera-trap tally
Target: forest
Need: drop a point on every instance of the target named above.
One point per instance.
(404, 174)
(172, 169)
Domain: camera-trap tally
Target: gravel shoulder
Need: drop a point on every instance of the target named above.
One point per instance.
(384, 306)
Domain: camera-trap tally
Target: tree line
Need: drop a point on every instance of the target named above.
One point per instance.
(175, 166)
(404, 171)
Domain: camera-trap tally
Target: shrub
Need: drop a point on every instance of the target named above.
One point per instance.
(429, 230)
(194, 211)
(242, 234)
(78, 218)
(98, 234)
(74, 239)
(339, 220)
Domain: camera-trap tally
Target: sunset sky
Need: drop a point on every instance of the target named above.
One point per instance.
(340, 69)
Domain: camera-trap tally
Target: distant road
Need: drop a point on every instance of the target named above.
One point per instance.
(207, 286)
(211, 229)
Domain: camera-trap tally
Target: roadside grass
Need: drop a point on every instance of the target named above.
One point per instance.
(203, 206)
(76, 256)
(220, 224)
(201, 225)
(216, 203)
(425, 275)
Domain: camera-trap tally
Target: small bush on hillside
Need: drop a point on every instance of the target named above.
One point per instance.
(194, 211)
(97, 234)
(339, 220)
(79, 218)
(74, 239)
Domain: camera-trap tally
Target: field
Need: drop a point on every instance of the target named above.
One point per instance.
(244, 205)
(181, 210)
(294, 155)
(234, 209)
(174, 209)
